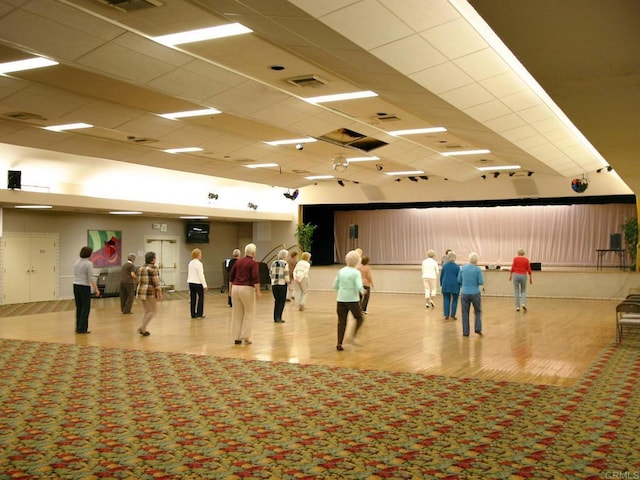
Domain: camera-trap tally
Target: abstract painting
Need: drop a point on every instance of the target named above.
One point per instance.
(107, 247)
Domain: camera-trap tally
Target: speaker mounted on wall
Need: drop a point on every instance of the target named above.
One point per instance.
(353, 231)
(14, 179)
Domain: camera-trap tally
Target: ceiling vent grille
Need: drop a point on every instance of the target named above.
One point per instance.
(387, 117)
(132, 5)
(24, 116)
(307, 81)
(141, 139)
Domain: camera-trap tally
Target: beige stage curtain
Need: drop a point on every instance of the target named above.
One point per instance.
(554, 235)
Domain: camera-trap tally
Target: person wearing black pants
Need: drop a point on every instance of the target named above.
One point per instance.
(82, 283)
(280, 278)
(348, 283)
(197, 284)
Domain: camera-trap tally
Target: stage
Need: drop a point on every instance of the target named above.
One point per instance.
(610, 283)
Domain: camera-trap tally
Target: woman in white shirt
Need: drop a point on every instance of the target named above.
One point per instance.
(197, 284)
(301, 280)
(430, 271)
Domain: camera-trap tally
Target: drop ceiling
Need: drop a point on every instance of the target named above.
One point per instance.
(424, 59)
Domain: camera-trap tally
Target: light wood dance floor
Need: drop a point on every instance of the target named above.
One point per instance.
(553, 343)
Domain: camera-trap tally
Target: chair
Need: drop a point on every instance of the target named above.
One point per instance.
(627, 316)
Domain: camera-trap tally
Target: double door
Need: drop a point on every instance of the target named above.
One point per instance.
(29, 273)
(166, 251)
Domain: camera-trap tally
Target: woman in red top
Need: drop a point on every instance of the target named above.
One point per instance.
(520, 267)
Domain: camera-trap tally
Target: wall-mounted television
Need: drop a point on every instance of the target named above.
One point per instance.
(197, 232)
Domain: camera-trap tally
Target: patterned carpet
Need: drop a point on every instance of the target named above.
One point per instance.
(78, 412)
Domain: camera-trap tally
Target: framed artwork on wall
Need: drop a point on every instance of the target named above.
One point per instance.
(107, 247)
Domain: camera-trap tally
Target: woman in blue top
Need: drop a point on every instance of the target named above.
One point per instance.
(470, 278)
(449, 285)
(348, 282)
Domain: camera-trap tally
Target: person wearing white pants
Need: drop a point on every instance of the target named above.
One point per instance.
(430, 271)
(301, 280)
(244, 281)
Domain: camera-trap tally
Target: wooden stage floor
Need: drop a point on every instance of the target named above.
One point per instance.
(553, 343)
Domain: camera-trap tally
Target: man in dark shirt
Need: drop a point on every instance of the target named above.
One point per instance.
(127, 284)
(244, 287)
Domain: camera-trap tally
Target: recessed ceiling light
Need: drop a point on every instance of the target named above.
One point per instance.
(68, 126)
(502, 167)
(29, 64)
(415, 131)
(407, 172)
(262, 165)
(34, 206)
(183, 150)
(191, 113)
(124, 212)
(319, 177)
(465, 152)
(341, 96)
(201, 34)
(291, 141)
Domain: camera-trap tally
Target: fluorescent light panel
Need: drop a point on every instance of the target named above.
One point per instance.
(29, 64)
(202, 34)
(465, 152)
(415, 131)
(183, 150)
(502, 167)
(341, 96)
(191, 113)
(34, 206)
(262, 165)
(68, 126)
(362, 159)
(292, 141)
(407, 172)
(124, 212)
(319, 177)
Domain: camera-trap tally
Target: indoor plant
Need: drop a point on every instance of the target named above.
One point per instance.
(630, 232)
(304, 234)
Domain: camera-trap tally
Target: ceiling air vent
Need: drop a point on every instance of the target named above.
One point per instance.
(387, 117)
(141, 139)
(307, 81)
(24, 116)
(132, 5)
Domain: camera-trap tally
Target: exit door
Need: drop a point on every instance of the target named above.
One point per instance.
(166, 259)
(29, 268)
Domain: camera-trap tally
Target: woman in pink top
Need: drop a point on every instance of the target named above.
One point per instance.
(367, 282)
(520, 267)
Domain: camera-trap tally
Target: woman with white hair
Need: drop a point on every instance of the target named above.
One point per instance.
(430, 270)
(348, 283)
(244, 281)
(470, 278)
(520, 268)
(301, 280)
(279, 273)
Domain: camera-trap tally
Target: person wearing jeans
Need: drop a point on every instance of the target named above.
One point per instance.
(470, 278)
(520, 268)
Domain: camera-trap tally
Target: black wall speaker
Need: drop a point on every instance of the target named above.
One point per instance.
(353, 231)
(536, 266)
(14, 179)
(615, 241)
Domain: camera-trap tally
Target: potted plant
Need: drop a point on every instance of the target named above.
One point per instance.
(630, 233)
(304, 234)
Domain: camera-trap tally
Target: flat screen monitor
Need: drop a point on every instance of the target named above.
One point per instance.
(197, 232)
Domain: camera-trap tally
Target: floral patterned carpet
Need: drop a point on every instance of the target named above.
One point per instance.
(79, 412)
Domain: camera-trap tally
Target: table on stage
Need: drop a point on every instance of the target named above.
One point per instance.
(617, 252)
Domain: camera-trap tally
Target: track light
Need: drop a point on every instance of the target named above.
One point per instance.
(609, 168)
(484, 177)
(599, 170)
(511, 174)
(213, 196)
(291, 196)
(413, 179)
(424, 177)
(341, 183)
(252, 206)
(529, 174)
(496, 174)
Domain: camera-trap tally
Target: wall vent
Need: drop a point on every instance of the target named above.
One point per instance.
(387, 117)
(307, 81)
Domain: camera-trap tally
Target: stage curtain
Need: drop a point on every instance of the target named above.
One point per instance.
(554, 235)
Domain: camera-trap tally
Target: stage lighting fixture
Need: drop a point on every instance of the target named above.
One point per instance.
(609, 168)
(484, 177)
(413, 179)
(291, 196)
(529, 174)
(424, 177)
(496, 174)
(252, 206)
(511, 174)
(213, 196)
(599, 170)
(341, 183)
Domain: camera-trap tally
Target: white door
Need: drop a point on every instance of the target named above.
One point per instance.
(29, 268)
(166, 259)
